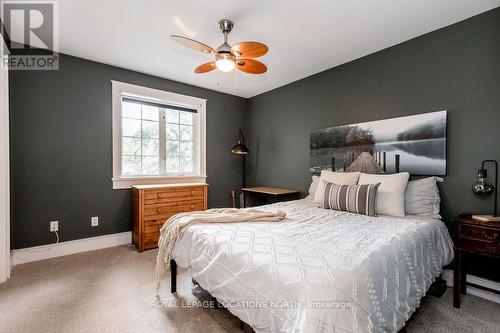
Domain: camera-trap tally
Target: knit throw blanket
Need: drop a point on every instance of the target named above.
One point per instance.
(174, 228)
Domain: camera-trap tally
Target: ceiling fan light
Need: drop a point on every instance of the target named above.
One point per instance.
(225, 65)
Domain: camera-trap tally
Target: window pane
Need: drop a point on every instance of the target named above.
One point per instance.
(151, 147)
(131, 165)
(172, 164)
(186, 133)
(131, 146)
(131, 110)
(131, 127)
(186, 149)
(150, 113)
(172, 148)
(142, 149)
(186, 164)
(186, 118)
(150, 129)
(150, 165)
(171, 116)
(172, 132)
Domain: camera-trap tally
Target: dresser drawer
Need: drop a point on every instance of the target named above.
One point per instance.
(153, 226)
(477, 246)
(156, 218)
(480, 233)
(158, 197)
(159, 213)
(176, 206)
(151, 240)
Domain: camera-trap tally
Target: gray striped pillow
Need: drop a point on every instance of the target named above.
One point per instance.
(359, 199)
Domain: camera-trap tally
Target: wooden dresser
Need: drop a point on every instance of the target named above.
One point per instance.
(152, 205)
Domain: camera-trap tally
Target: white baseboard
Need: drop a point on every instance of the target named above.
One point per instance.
(448, 277)
(43, 252)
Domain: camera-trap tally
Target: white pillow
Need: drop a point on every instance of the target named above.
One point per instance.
(391, 192)
(422, 197)
(314, 185)
(339, 178)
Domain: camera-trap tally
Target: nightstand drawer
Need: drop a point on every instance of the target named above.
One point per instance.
(477, 246)
(480, 233)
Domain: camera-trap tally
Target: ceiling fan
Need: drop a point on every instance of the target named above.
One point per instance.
(228, 57)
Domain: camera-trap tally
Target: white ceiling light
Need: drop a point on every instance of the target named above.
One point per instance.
(225, 63)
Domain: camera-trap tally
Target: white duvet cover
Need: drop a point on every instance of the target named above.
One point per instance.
(319, 270)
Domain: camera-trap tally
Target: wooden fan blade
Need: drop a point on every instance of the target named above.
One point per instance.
(193, 44)
(209, 66)
(251, 66)
(249, 49)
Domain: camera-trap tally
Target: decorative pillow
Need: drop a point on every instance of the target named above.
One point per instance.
(422, 197)
(359, 199)
(391, 192)
(340, 178)
(314, 185)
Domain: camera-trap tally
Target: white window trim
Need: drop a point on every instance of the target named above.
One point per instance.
(5, 263)
(125, 89)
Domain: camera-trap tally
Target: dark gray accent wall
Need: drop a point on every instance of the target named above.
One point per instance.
(456, 68)
(61, 149)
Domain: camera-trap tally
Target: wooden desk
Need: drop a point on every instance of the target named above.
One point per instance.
(257, 196)
(475, 237)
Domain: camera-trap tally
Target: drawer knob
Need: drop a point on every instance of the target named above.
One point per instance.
(191, 206)
(192, 192)
(494, 237)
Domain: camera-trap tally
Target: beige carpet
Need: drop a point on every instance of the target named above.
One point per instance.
(111, 290)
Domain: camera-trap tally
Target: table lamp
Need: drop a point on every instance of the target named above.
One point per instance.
(483, 188)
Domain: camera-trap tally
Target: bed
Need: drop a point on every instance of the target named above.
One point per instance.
(318, 270)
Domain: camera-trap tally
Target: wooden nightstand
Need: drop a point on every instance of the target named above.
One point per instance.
(257, 196)
(476, 237)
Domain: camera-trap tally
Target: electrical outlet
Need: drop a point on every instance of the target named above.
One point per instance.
(94, 221)
(54, 226)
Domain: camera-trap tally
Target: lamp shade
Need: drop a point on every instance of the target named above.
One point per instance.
(482, 187)
(240, 149)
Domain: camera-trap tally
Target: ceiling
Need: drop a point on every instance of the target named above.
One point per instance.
(304, 37)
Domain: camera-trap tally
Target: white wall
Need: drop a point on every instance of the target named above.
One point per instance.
(4, 172)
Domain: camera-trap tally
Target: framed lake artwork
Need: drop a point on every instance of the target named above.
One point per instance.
(416, 144)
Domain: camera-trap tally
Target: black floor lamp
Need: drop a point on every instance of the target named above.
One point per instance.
(240, 149)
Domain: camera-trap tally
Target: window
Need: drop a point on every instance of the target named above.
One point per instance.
(158, 137)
